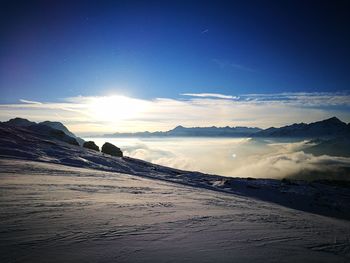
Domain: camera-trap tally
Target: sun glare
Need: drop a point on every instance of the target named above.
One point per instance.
(115, 108)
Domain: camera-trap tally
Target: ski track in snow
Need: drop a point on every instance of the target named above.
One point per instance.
(57, 213)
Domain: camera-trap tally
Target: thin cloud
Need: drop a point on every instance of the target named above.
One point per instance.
(30, 101)
(210, 95)
(229, 64)
(312, 99)
(241, 67)
(205, 31)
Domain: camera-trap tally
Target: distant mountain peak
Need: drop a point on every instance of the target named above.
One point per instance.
(19, 122)
(333, 120)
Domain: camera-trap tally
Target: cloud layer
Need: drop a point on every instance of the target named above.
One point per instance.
(118, 113)
(237, 157)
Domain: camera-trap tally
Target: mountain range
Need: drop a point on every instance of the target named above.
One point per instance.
(326, 128)
(332, 127)
(329, 128)
(181, 131)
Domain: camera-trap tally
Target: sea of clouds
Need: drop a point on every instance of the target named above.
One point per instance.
(238, 157)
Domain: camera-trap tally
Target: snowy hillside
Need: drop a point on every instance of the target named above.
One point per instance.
(20, 143)
(64, 203)
(58, 213)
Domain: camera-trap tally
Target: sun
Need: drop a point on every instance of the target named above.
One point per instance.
(115, 108)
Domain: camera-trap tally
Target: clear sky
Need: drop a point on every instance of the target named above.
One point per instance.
(54, 51)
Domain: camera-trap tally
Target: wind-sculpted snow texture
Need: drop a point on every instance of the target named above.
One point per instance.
(59, 213)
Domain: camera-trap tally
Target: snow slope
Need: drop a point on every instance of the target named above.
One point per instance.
(58, 213)
(317, 197)
(65, 203)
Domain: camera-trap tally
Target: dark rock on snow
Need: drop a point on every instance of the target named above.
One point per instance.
(91, 145)
(111, 149)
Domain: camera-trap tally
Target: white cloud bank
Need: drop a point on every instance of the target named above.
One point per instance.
(236, 157)
(85, 115)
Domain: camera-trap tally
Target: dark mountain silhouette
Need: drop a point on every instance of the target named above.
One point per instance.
(332, 127)
(181, 131)
(43, 129)
(19, 122)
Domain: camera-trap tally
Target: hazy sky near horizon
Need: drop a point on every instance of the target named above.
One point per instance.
(103, 66)
(96, 115)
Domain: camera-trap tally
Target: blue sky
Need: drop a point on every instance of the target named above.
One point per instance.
(54, 50)
(161, 49)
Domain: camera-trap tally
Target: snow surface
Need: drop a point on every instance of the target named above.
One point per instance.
(316, 197)
(57, 213)
(64, 203)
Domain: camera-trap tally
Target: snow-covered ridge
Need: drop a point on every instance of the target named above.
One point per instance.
(316, 197)
(48, 128)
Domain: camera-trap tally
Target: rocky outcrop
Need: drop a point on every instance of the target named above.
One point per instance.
(111, 149)
(52, 130)
(51, 133)
(60, 135)
(91, 145)
(59, 126)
